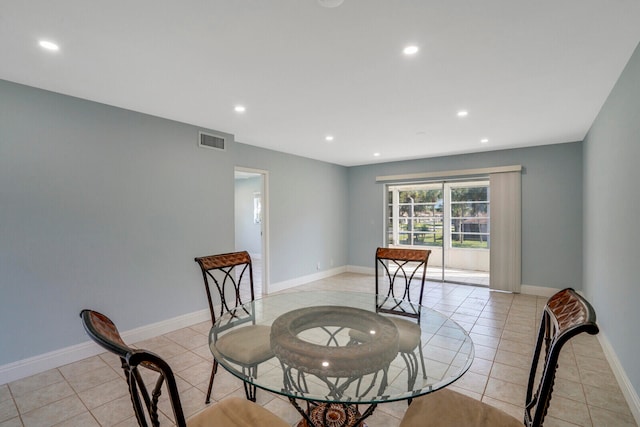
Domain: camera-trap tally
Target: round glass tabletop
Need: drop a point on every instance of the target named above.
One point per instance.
(335, 346)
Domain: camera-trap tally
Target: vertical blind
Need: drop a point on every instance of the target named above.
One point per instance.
(506, 235)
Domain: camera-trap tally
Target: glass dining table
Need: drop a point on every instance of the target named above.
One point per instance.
(335, 351)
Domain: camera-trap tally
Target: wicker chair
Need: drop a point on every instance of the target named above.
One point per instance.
(230, 412)
(231, 277)
(400, 275)
(566, 315)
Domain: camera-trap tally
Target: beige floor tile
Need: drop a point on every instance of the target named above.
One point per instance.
(471, 394)
(513, 359)
(198, 373)
(103, 393)
(487, 330)
(43, 396)
(505, 391)
(522, 325)
(113, 412)
(569, 410)
(467, 311)
(204, 351)
(481, 366)
(472, 382)
(84, 381)
(510, 374)
(394, 409)
(5, 394)
(170, 350)
(54, 413)
(285, 410)
(13, 422)
(592, 364)
(569, 372)
(184, 361)
(485, 340)
(188, 338)
(588, 348)
(515, 411)
(606, 399)
(154, 343)
(83, 420)
(35, 382)
(567, 357)
(516, 347)
(82, 367)
(382, 419)
(555, 422)
(8, 410)
(202, 327)
(192, 401)
(463, 318)
(527, 338)
(570, 389)
(225, 384)
(492, 323)
(603, 418)
(483, 352)
(604, 380)
(490, 313)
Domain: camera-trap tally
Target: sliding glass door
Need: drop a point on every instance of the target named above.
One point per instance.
(449, 218)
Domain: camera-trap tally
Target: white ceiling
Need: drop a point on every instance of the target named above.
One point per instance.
(528, 72)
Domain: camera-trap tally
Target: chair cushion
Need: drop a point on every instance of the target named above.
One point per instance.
(447, 408)
(247, 345)
(408, 331)
(235, 412)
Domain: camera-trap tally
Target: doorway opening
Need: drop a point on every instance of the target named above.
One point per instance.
(251, 222)
(451, 218)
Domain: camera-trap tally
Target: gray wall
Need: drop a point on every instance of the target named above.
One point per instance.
(551, 207)
(106, 208)
(611, 215)
(247, 231)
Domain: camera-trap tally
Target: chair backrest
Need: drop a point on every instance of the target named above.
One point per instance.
(397, 271)
(228, 274)
(565, 315)
(145, 404)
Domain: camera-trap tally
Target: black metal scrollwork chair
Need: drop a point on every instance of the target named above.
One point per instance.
(231, 275)
(230, 412)
(400, 275)
(566, 315)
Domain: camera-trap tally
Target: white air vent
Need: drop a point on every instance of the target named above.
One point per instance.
(215, 141)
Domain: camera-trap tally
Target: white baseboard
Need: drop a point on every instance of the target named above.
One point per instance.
(628, 391)
(53, 359)
(361, 270)
(287, 284)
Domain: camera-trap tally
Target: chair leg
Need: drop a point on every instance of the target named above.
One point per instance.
(214, 369)
(411, 361)
(250, 389)
(424, 370)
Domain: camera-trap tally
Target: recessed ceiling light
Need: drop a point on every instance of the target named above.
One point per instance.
(484, 140)
(463, 113)
(376, 154)
(329, 138)
(45, 44)
(410, 50)
(240, 109)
